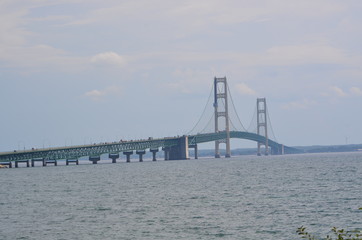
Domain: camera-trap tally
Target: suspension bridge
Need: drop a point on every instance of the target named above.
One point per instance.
(218, 125)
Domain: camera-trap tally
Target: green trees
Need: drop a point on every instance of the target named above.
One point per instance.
(338, 234)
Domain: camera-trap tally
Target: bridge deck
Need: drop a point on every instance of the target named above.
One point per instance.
(74, 152)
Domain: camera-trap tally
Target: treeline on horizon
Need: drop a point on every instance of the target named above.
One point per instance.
(304, 149)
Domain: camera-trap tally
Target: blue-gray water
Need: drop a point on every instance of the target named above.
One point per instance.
(239, 198)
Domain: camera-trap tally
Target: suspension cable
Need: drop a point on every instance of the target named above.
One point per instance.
(232, 102)
(252, 123)
(271, 127)
(212, 116)
(207, 103)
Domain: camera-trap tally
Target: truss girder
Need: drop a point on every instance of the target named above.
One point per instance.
(76, 152)
(88, 150)
(209, 137)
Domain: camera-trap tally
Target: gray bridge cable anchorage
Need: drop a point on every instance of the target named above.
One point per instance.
(203, 112)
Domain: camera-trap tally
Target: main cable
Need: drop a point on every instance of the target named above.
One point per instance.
(207, 103)
(232, 102)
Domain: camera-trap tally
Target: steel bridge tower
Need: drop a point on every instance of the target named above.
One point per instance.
(262, 126)
(221, 110)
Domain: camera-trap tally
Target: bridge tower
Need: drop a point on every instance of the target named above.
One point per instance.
(262, 127)
(221, 111)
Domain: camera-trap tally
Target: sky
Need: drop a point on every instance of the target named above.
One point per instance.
(85, 71)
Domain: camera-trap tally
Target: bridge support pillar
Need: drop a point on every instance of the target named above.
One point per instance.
(180, 151)
(140, 154)
(196, 151)
(154, 151)
(37, 160)
(22, 161)
(167, 152)
(221, 111)
(94, 159)
(279, 150)
(128, 155)
(262, 127)
(113, 156)
(76, 161)
(51, 161)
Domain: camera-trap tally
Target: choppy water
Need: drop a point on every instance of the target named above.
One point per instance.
(239, 198)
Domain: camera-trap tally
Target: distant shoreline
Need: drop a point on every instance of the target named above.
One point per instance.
(303, 149)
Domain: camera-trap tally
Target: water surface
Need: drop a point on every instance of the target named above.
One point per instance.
(239, 198)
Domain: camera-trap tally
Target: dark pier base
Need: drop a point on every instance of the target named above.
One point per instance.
(76, 161)
(37, 160)
(154, 151)
(140, 154)
(128, 155)
(22, 161)
(50, 161)
(114, 157)
(94, 159)
(166, 152)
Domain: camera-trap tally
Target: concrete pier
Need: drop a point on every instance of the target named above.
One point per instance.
(154, 151)
(6, 164)
(22, 161)
(94, 159)
(166, 152)
(140, 154)
(180, 151)
(37, 160)
(196, 151)
(128, 155)
(76, 161)
(113, 156)
(51, 161)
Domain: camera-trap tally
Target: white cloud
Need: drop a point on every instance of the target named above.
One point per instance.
(303, 104)
(108, 58)
(99, 94)
(94, 93)
(356, 91)
(243, 89)
(337, 91)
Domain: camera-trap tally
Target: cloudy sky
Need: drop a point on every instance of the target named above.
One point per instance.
(81, 71)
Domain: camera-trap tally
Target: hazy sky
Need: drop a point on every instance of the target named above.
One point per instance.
(81, 71)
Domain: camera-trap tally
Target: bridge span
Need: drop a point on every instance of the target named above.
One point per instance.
(175, 148)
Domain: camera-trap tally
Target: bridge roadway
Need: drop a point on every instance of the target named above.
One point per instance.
(127, 147)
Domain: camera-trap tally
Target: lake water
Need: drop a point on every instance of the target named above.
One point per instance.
(238, 198)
